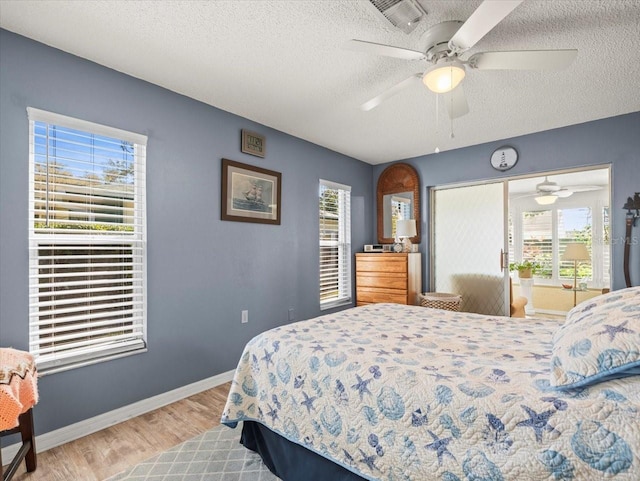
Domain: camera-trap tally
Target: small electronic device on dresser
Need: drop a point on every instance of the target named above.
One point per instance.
(378, 247)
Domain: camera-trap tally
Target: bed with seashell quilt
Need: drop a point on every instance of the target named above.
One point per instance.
(392, 392)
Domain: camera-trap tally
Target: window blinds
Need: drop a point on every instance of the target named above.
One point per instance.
(537, 240)
(87, 240)
(546, 233)
(335, 244)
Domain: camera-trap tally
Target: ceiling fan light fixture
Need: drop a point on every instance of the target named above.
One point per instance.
(444, 76)
(546, 199)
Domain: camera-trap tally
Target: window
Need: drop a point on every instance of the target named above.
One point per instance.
(541, 236)
(605, 242)
(537, 241)
(87, 241)
(400, 209)
(335, 244)
(574, 225)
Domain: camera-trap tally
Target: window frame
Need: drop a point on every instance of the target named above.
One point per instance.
(343, 244)
(127, 248)
(600, 250)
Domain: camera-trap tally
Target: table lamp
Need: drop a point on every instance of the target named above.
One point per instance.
(404, 230)
(575, 251)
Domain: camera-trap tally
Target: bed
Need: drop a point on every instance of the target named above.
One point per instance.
(392, 392)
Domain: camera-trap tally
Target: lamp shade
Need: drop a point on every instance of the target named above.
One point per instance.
(546, 199)
(444, 76)
(406, 228)
(576, 251)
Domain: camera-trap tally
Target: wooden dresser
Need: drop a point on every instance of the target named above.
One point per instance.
(388, 278)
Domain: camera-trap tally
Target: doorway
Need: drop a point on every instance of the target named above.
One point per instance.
(549, 216)
(482, 233)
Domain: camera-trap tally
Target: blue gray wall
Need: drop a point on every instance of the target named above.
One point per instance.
(201, 271)
(614, 141)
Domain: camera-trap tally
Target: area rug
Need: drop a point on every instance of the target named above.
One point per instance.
(216, 455)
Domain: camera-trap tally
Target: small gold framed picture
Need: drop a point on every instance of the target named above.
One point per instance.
(253, 144)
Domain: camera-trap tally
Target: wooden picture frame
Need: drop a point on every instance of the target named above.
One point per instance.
(253, 144)
(398, 178)
(250, 194)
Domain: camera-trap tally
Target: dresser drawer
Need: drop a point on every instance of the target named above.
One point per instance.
(392, 281)
(382, 265)
(375, 294)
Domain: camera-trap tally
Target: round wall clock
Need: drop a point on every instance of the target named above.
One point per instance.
(504, 158)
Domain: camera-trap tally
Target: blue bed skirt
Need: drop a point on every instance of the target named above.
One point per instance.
(290, 461)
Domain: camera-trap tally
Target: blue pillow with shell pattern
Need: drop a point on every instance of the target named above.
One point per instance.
(600, 340)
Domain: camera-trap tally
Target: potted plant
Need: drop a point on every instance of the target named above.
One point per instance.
(525, 268)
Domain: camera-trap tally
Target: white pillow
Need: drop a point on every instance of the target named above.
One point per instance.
(600, 340)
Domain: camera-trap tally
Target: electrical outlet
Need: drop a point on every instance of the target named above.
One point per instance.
(292, 314)
(245, 317)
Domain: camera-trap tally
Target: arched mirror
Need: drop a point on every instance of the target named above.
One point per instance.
(398, 197)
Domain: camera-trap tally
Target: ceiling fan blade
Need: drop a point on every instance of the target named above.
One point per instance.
(584, 188)
(563, 193)
(375, 101)
(456, 103)
(524, 196)
(386, 50)
(489, 14)
(523, 60)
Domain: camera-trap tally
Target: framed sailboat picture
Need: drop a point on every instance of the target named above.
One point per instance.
(250, 194)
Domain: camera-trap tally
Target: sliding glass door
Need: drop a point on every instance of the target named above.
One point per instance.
(533, 218)
(468, 244)
(549, 212)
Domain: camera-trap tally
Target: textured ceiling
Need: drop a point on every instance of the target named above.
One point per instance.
(282, 63)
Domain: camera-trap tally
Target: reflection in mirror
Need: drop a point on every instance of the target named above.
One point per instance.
(398, 197)
(398, 206)
(550, 210)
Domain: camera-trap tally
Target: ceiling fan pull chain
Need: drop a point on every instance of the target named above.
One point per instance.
(451, 94)
(437, 151)
(437, 113)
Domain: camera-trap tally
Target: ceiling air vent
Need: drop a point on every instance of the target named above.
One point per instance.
(404, 14)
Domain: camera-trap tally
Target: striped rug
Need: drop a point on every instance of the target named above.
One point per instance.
(215, 455)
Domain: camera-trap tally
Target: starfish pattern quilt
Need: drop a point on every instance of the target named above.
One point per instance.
(394, 392)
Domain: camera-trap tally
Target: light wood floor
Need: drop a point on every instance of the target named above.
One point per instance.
(112, 450)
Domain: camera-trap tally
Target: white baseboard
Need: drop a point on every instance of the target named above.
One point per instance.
(88, 426)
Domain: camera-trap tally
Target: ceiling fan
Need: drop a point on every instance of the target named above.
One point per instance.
(447, 41)
(548, 192)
